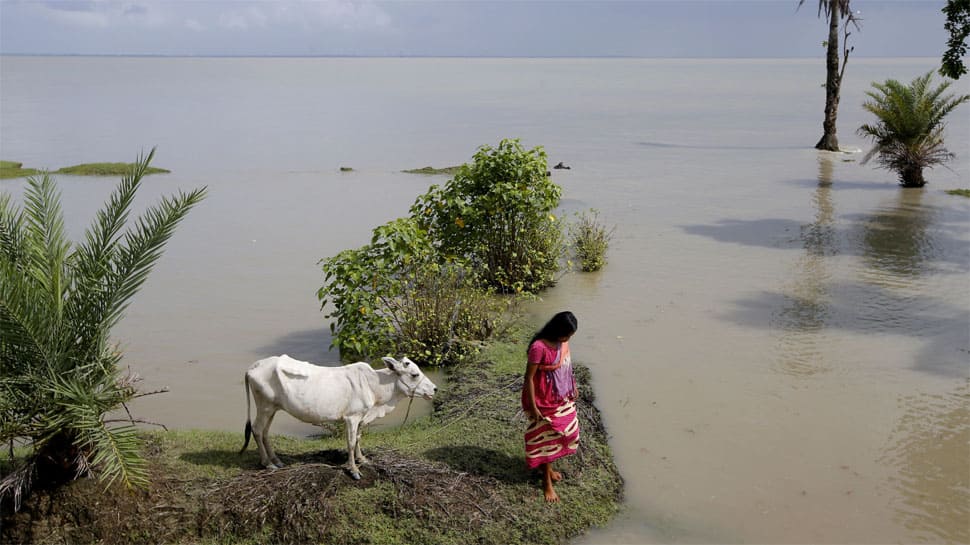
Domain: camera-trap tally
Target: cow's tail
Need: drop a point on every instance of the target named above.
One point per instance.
(249, 422)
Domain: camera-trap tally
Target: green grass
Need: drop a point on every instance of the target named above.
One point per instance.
(455, 477)
(13, 169)
(450, 171)
(959, 192)
(105, 169)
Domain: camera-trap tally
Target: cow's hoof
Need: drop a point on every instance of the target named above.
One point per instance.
(272, 467)
(355, 475)
(279, 464)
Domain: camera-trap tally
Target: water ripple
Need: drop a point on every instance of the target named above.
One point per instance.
(930, 448)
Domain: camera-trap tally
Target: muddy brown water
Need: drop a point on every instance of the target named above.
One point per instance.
(779, 342)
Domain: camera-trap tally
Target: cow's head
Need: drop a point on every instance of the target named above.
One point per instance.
(410, 377)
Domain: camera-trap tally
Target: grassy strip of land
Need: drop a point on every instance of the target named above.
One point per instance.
(106, 169)
(455, 477)
(959, 192)
(450, 171)
(12, 169)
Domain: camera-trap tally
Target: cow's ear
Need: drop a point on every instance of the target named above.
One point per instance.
(391, 363)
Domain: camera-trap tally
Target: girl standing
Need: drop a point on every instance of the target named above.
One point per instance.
(549, 400)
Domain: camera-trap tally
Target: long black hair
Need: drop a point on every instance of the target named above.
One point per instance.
(563, 324)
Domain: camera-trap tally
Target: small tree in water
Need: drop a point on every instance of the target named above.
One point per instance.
(59, 372)
(909, 134)
(836, 12)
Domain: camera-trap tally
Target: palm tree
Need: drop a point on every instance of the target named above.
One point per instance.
(60, 382)
(909, 134)
(835, 12)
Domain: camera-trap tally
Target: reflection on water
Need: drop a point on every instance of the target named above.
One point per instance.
(897, 239)
(930, 447)
(807, 301)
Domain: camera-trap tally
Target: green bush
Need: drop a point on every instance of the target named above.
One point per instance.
(426, 285)
(396, 296)
(590, 240)
(496, 213)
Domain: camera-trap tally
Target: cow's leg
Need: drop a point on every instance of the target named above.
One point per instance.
(269, 447)
(264, 417)
(353, 425)
(360, 455)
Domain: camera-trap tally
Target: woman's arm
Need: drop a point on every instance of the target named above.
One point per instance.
(532, 411)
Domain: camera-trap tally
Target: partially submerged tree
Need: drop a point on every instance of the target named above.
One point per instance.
(398, 295)
(909, 134)
(496, 215)
(60, 378)
(958, 26)
(838, 13)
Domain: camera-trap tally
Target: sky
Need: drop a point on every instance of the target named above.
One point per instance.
(493, 28)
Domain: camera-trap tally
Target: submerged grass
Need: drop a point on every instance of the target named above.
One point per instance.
(431, 170)
(959, 192)
(455, 477)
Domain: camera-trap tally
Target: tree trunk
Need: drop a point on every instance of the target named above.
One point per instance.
(912, 176)
(833, 82)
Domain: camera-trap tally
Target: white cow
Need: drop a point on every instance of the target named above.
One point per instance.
(356, 393)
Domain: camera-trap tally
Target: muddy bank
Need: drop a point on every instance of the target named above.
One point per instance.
(456, 477)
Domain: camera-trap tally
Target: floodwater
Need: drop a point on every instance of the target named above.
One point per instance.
(779, 342)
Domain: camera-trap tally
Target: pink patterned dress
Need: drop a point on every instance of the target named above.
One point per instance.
(557, 435)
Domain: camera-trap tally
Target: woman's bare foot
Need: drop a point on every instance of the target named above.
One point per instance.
(550, 476)
(550, 494)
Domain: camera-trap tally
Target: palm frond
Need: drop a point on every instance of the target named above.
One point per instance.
(11, 231)
(142, 247)
(112, 452)
(94, 260)
(47, 244)
(17, 484)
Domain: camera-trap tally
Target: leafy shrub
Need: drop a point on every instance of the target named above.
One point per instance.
(395, 295)
(590, 240)
(496, 214)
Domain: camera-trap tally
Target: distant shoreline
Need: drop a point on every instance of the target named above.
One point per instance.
(566, 57)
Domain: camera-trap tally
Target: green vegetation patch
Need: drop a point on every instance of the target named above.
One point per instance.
(106, 169)
(455, 477)
(450, 171)
(13, 169)
(959, 192)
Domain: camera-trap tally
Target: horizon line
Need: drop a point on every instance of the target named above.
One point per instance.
(352, 56)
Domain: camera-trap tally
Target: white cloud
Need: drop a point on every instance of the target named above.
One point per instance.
(243, 19)
(202, 15)
(309, 14)
(83, 14)
(193, 24)
(104, 13)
